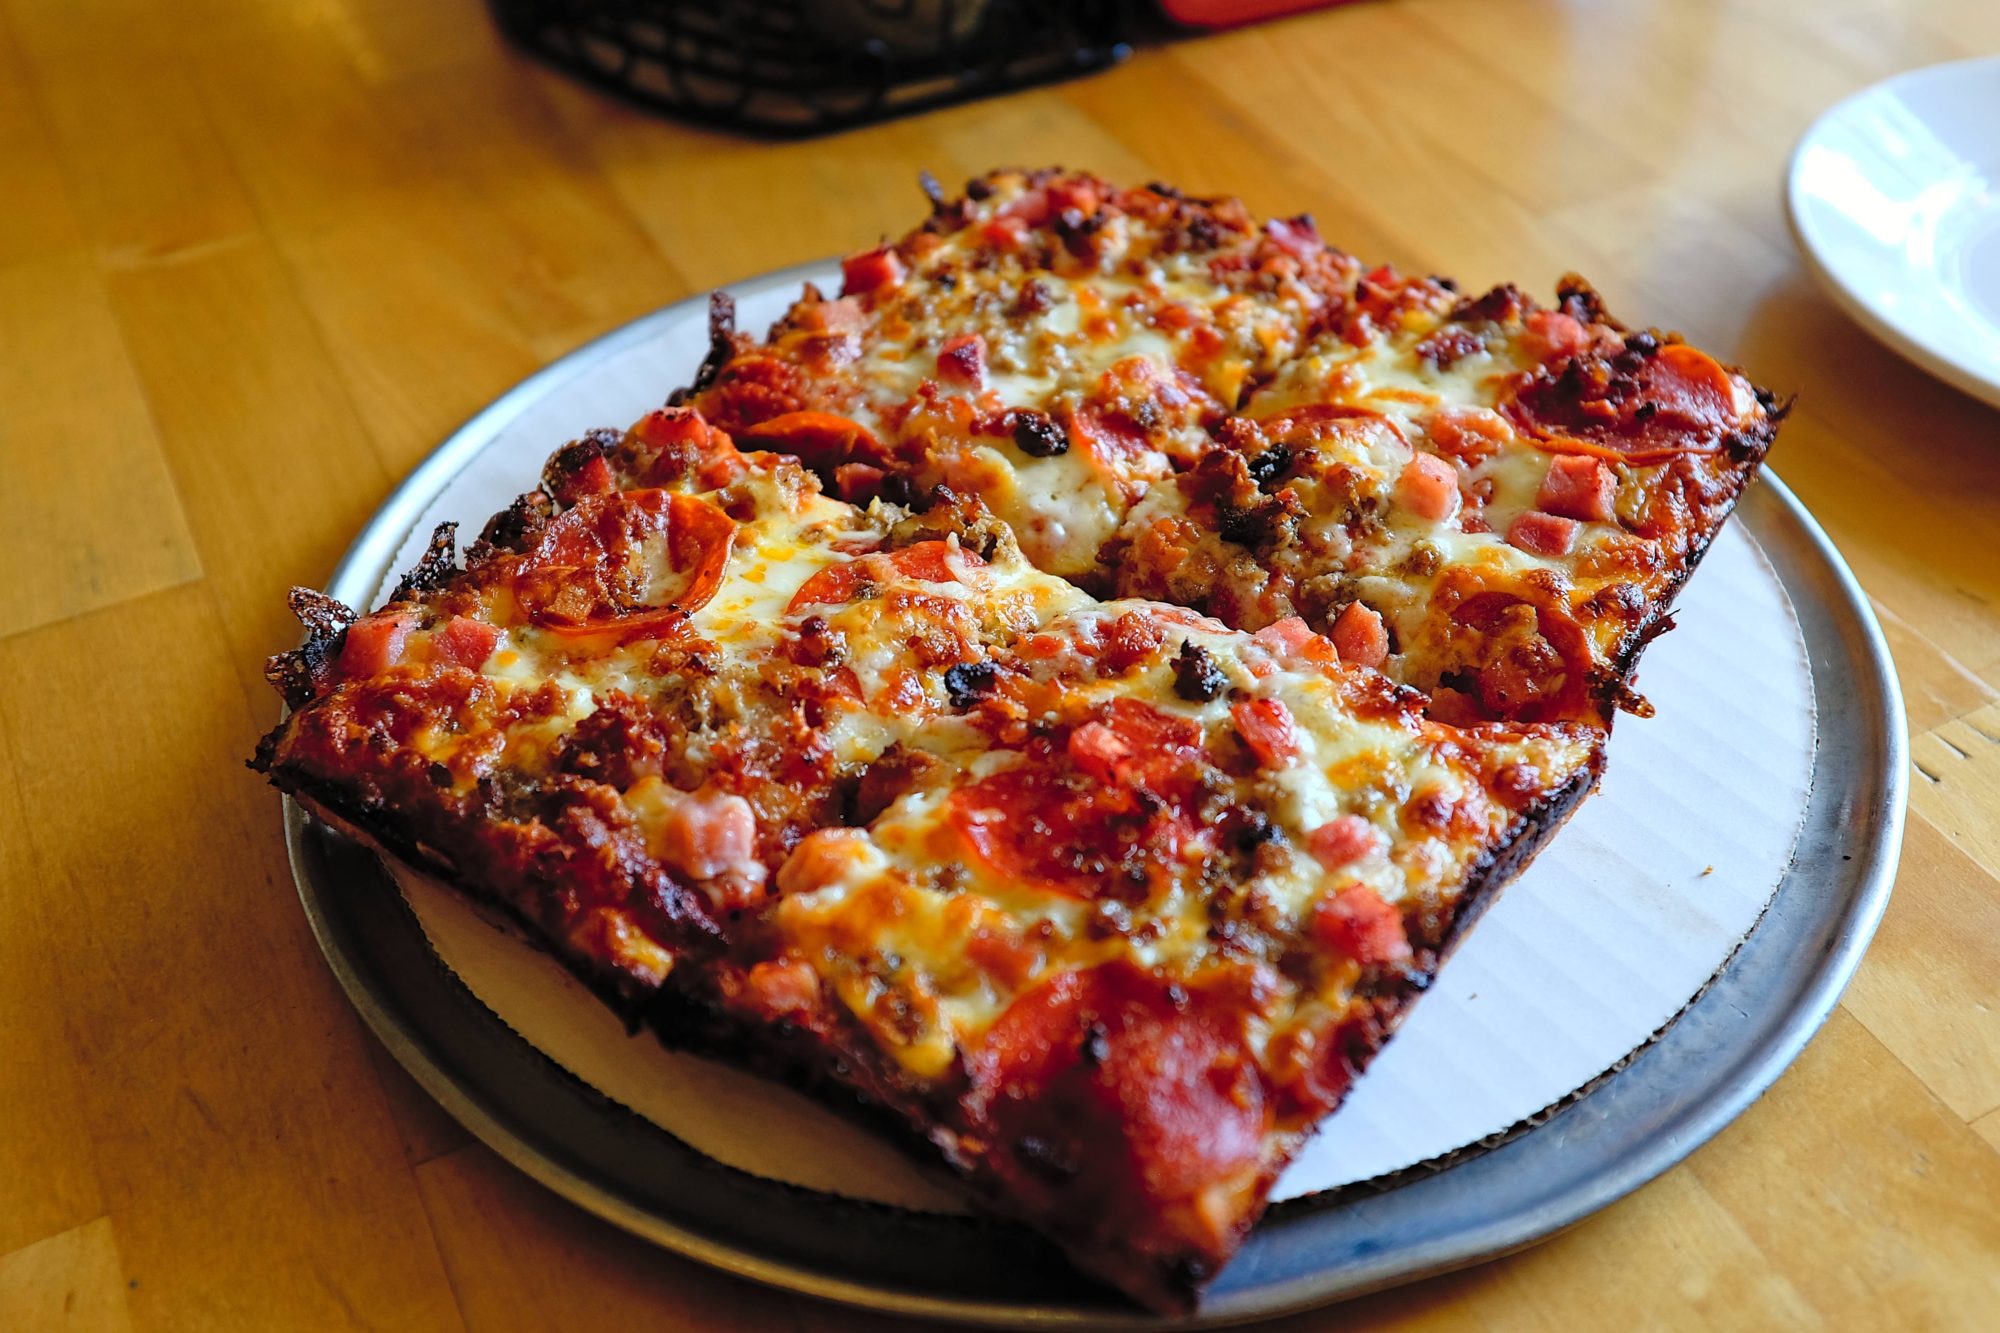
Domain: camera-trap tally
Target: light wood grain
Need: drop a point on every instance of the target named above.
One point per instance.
(71, 1282)
(256, 259)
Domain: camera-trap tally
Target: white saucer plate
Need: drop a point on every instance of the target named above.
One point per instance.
(1894, 198)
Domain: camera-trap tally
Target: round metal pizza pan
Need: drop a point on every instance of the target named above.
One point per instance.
(1724, 1050)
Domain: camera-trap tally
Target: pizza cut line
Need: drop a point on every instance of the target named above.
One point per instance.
(1070, 691)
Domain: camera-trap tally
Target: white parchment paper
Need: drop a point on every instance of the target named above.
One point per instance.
(1626, 916)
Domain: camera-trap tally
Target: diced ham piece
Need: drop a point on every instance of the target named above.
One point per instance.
(1098, 750)
(1428, 488)
(870, 269)
(710, 834)
(1356, 922)
(858, 483)
(780, 987)
(1360, 636)
(1543, 534)
(820, 859)
(465, 641)
(1296, 235)
(842, 316)
(376, 643)
(1342, 841)
(1550, 335)
(1266, 727)
(1578, 486)
(1005, 233)
(1469, 434)
(962, 360)
(1032, 208)
(1078, 195)
(1292, 637)
(1455, 708)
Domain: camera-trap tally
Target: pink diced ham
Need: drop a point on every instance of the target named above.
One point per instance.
(1578, 487)
(1342, 841)
(1360, 636)
(709, 834)
(1543, 534)
(1428, 488)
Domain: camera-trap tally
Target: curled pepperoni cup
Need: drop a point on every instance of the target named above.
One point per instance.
(927, 562)
(1634, 409)
(634, 564)
(821, 441)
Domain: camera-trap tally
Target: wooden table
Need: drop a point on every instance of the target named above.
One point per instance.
(256, 259)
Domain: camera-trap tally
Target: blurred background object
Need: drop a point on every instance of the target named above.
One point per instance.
(808, 66)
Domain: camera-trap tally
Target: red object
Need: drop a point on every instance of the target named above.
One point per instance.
(1359, 924)
(1266, 727)
(1229, 13)
(1543, 534)
(870, 269)
(1578, 486)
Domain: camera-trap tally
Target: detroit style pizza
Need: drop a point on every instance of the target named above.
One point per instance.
(1069, 692)
(1488, 499)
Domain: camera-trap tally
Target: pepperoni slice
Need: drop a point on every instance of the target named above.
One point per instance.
(1094, 827)
(636, 563)
(1148, 1084)
(929, 562)
(1323, 421)
(820, 440)
(1677, 401)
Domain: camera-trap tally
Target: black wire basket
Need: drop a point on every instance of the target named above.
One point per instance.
(797, 67)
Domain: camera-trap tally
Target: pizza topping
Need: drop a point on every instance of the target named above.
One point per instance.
(1196, 676)
(465, 642)
(820, 440)
(1129, 1073)
(962, 360)
(1343, 840)
(822, 859)
(1266, 726)
(1552, 336)
(858, 483)
(1578, 487)
(966, 683)
(1676, 401)
(880, 267)
(1543, 534)
(781, 988)
(375, 643)
(1360, 635)
(1428, 488)
(1357, 923)
(635, 562)
(1292, 639)
(1470, 435)
(709, 835)
(928, 561)
(1038, 436)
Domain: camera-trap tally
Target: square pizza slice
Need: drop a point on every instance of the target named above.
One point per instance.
(1106, 902)
(1489, 500)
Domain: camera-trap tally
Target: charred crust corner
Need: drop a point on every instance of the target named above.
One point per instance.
(434, 568)
(721, 346)
(1579, 300)
(301, 675)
